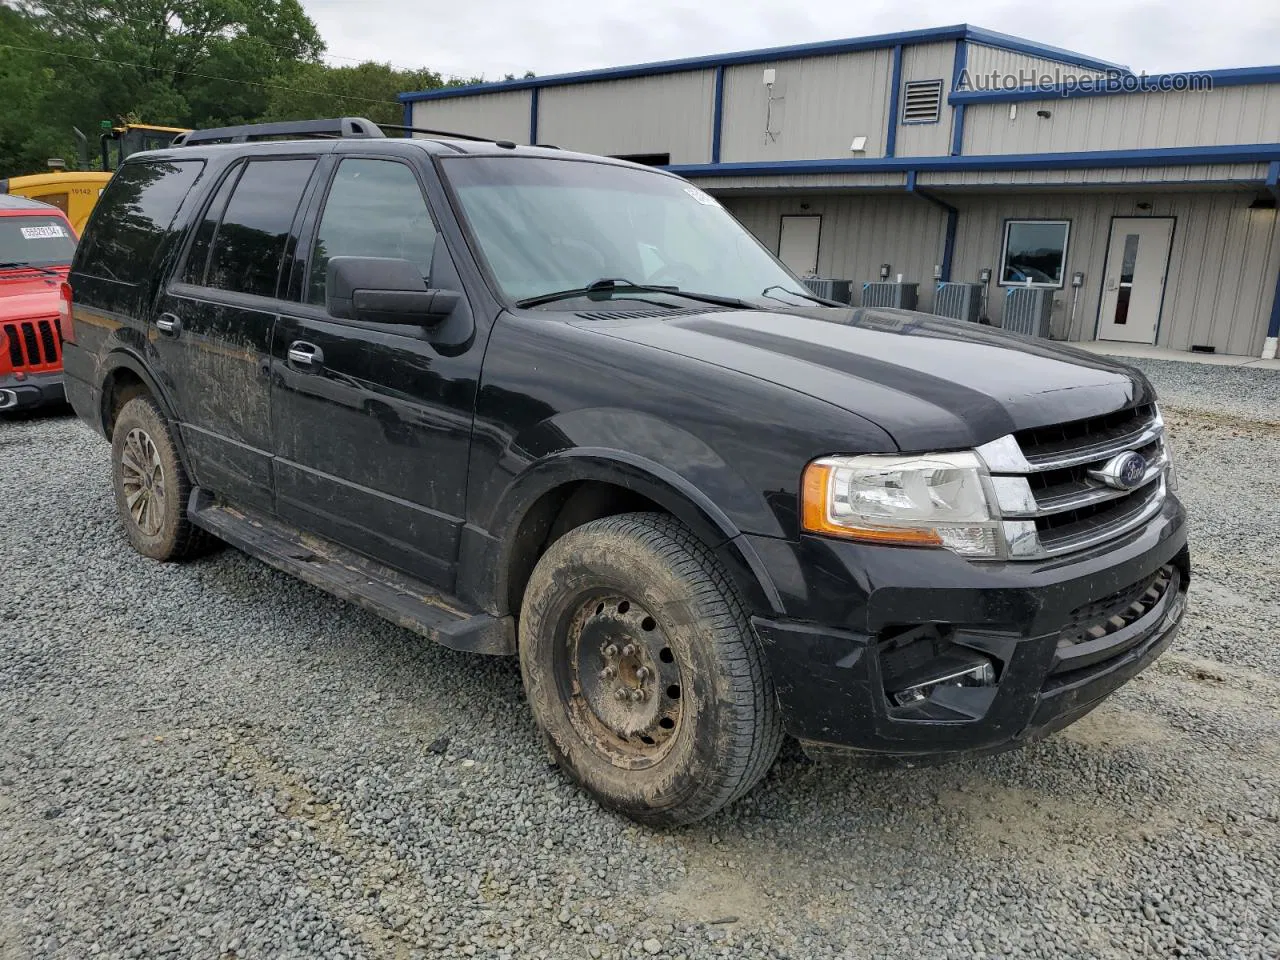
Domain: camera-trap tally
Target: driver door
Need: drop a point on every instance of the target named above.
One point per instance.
(372, 422)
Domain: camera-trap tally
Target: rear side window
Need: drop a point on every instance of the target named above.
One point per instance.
(133, 217)
(248, 244)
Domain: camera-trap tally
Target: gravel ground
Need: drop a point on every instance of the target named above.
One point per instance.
(216, 761)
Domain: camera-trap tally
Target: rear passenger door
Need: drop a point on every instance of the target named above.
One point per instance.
(214, 322)
(372, 422)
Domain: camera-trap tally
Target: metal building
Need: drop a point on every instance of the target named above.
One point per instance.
(1145, 206)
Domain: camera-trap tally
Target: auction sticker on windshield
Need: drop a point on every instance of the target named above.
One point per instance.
(51, 232)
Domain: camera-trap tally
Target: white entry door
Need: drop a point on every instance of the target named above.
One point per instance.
(798, 246)
(1133, 284)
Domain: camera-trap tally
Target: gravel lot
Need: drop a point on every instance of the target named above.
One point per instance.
(214, 760)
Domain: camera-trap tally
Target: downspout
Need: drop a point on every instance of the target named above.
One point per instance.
(953, 223)
(533, 116)
(1271, 346)
(408, 117)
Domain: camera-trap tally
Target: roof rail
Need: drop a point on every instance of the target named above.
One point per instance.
(448, 134)
(340, 127)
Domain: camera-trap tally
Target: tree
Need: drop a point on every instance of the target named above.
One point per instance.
(312, 90)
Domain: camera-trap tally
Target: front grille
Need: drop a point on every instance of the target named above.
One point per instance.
(33, 344)
(1105, 629)
(1050, 490)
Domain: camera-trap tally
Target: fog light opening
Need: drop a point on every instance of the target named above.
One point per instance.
(977, 675)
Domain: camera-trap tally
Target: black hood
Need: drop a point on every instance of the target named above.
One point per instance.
(929, 382)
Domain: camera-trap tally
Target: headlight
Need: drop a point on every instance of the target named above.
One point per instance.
(932, 500)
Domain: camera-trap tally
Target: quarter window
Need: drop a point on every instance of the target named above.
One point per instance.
(375, 209)
(1035, 251)
(133, 218)
(248, 245)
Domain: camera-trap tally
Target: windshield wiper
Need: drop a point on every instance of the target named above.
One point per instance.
(796, 293)
(611, 285)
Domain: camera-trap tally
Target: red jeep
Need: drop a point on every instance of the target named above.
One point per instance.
(36, 244)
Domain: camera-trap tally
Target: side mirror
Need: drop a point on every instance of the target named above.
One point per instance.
(384, 290)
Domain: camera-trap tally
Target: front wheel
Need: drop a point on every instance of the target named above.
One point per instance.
(644, 672)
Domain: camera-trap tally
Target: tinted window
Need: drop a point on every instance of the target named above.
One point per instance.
(249, 243)
(38, 241)
(198, 256)
(375, 208)
(130, 221)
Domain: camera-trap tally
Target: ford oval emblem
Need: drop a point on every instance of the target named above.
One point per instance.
(1124, 471)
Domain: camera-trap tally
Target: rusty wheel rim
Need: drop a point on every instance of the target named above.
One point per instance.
(142, 477)
(622, 681)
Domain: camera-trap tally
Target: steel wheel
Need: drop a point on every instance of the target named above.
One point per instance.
(142, 475)
(621, 680)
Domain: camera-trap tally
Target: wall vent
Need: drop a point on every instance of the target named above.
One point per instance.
(922, 101)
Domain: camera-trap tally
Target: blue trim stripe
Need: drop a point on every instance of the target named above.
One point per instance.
(959, 31)
(1273, 184)
(958, 66)
(533, 115)
(895, 90)
(717, 114)
(1163, 156)
(1114, 85)
(408, 117)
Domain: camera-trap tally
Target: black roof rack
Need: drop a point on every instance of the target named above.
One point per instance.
(340, 127)
(449, 134)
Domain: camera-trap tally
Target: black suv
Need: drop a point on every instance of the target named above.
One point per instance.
(524, 401)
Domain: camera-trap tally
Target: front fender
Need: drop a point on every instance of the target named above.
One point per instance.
(662, 463)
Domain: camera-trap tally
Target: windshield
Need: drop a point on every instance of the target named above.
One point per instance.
(547, 225)
(35, 241)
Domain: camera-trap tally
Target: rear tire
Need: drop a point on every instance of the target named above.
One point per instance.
(152, 486)
(644, 672)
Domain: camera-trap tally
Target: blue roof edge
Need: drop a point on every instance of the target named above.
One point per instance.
(959, 31)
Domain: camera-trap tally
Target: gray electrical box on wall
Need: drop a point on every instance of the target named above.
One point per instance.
(903, 296)
(1028, 310)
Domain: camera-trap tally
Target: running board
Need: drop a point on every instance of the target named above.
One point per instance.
(390, 594)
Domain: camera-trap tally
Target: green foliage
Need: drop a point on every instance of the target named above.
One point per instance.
(68, 64)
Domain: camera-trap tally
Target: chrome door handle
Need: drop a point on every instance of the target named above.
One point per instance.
(305, 354)
(168, 323)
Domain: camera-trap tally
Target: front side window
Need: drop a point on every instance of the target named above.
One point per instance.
(1035, 251)
(375, 208)
(133, 217)
(35, 241)
(248, 245)
(547, 225)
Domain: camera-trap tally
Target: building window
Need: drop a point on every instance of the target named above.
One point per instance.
(922, 101)
(1035, 251)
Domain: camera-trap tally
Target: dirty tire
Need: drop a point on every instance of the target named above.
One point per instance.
(141, 443)
(722, 733)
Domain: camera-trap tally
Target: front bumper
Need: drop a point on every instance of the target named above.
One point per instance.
(834, 682)
(32, 390)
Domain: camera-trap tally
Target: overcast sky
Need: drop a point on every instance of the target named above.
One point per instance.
(496, 37)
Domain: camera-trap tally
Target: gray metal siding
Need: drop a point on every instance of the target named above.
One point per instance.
(503, 116)
(927, 61)
(1222, 267)
(858, 234)
(983, 60)
(667, 113)
(826, 102)
(1246, 114)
